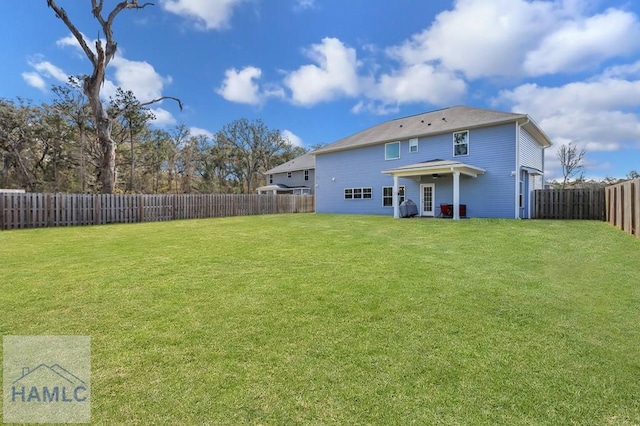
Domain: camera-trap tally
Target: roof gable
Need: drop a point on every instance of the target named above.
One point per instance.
(303, 162)
(430, 123)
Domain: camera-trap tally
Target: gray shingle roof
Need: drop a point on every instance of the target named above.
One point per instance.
(440, 121)
(304, 162)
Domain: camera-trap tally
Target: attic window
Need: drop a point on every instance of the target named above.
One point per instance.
(270, 178)
(392, 151)
(461, 143)
(288, 174)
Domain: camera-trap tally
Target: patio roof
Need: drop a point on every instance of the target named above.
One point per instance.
(433, 167)
(279, 187)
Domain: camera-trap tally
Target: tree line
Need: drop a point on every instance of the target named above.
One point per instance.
(571, 158)
(54, 147)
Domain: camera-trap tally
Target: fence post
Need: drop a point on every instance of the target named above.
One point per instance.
(2, 224)
(173, 206)
(636, 207)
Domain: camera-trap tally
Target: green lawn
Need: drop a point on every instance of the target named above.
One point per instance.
(328, 319)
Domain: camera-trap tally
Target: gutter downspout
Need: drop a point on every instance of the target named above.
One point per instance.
(518, 171)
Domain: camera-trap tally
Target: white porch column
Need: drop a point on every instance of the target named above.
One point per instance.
(456, 195)
(396, 206)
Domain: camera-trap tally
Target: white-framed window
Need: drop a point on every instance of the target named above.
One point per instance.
(521, 194)
(460, 143)
(392, 151)
(387, 195)
(357, 193)
(413, 145)
(306, 175)
(270, 178)
(289, 174)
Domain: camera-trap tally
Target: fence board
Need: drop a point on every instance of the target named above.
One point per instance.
(623, 206)
(31, 210)
(584, 204)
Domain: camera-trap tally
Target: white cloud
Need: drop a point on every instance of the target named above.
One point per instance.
(49, 70)
(163, 117)
(240, 86)
(623, 71)
(140, 77)
(197, 131)
(43, 71)
(376, 108)
(207, 14)
(596, 95)
(244, 87)
(70, 41)
(293, 139)
(418, 83)
(334, 75)
(304, 4)
(521, 37)
(598, 115)
(581, 44)
(480, 38)
(34, 79)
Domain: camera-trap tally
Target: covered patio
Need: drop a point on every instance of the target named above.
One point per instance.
(279, 188)
(433, 168)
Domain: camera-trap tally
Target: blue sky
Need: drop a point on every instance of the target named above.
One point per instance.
(320, 70)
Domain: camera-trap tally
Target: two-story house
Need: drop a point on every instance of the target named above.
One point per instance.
(487, 162)
(293, 177)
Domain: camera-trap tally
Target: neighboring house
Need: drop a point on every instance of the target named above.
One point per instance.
(293, 177)
(487, 161)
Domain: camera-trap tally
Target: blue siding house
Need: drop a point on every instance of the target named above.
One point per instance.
(293, 177)
(478, 162)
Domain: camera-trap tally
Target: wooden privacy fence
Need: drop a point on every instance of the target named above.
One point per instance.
(32, 210)
(579, 203)
(623, 206)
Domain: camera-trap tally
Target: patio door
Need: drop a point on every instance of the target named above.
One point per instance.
(427, 195)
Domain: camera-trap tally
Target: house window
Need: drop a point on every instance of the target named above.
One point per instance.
(461, 143)
(387, 195)
(306, 175)
(413, 145)
(270, 179)
(521, 194)
(392, 151)
(288, 174)
(357, 193)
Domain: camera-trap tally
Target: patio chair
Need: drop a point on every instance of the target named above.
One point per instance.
(446, 210)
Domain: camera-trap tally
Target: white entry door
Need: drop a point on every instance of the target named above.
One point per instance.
(427, 194)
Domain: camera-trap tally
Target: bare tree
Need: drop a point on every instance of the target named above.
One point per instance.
(571, 159)
(93, 83)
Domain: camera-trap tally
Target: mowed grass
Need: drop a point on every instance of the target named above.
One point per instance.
(328, 319)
